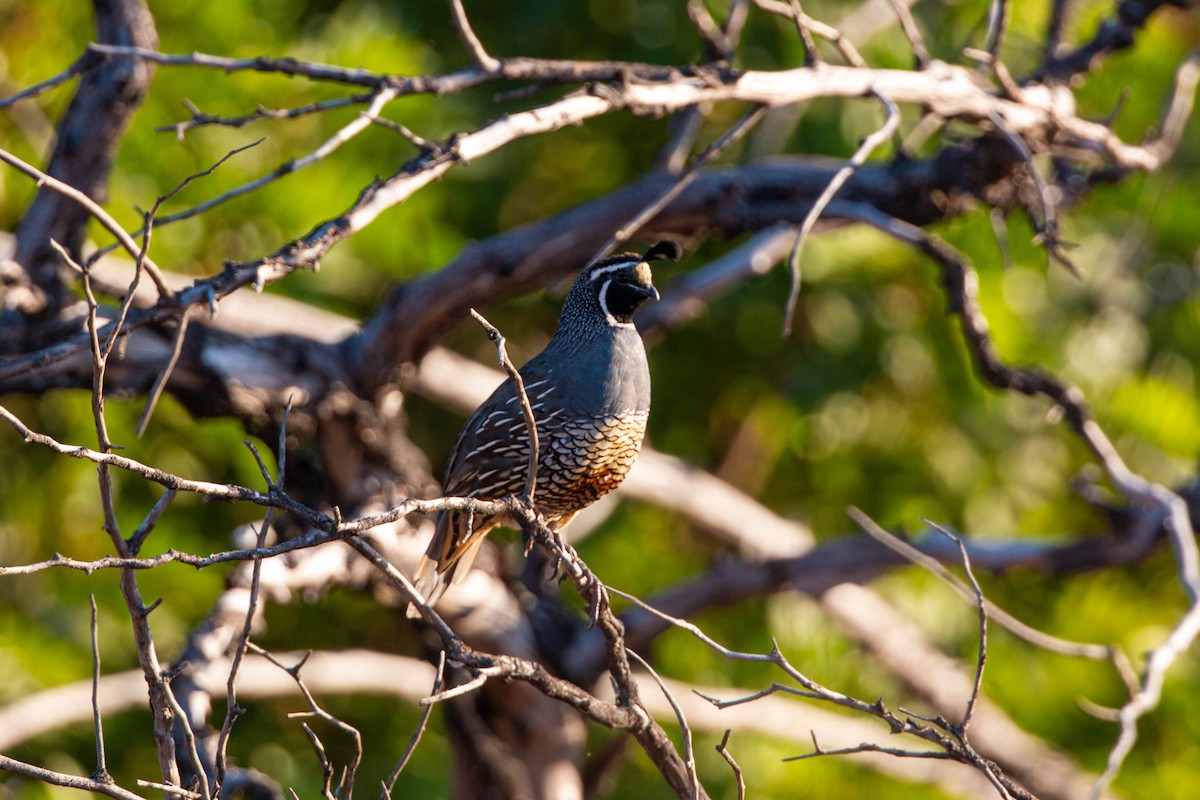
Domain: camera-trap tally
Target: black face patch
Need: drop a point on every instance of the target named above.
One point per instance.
(621, 283)
(621, 289)
(620, 299)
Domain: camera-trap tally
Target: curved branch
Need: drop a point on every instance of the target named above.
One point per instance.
(88, 136)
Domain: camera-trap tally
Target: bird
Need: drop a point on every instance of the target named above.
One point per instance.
(589, 390)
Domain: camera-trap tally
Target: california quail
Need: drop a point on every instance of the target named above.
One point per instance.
(589, 390)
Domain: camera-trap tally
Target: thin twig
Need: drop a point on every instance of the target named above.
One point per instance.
(81, 65)
(531, 431)
(200, 119)
(734, 134)
(98, 212)
(346, 784)
(912, 32)
(232, 709)
(101, 763)
(981, 604)
(480, 678)
(438, 677)
(159, 691)
(953, 745)
(474, 46)
(723, 749)
(1158, 506)
(689, 755)
(867, 747)
(323, 759)
(138, 537)
(1015, 626)
(189, 738)
(839, 179)
(356, 126)
(998, 15)
(173, 791)
(151, 218)
(824, 30)
(812, 57)
(160, 383)
(42, 775)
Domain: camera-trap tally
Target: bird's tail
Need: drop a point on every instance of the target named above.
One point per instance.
(431, 583)
(442, 566)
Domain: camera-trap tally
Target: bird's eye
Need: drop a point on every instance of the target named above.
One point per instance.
(623, 277)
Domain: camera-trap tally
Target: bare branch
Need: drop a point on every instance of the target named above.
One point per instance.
(232, 709)
(200, 119)
(839, 179)
(189, 738)
(868, 747)
(514, 375)
(356, 126)
(93, 208)
(416, 737)
(1011, 623)
(160, 383)
(804, 22)
(101, 772)
(81, 65)
(981, 604)
(95, 785)
(346, 785)
(474, 46)
(689, 756)
(734, 134)
(912, 32)
(1155, 504)
(723, 749)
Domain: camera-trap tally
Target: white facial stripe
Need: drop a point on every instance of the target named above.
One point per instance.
(613, 268)
(603, 297)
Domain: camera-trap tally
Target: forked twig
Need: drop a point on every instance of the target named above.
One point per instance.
(346, 784)
(1015, 626)
(981, 604)
(723, 749)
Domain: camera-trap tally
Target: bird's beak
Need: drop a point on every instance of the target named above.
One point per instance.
(650, 291)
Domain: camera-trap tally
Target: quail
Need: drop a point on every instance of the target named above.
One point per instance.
(589, 391)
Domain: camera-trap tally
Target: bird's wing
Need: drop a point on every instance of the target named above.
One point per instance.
(492, 451)
(489, 461)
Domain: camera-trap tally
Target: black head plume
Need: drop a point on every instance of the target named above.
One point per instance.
(665, 249)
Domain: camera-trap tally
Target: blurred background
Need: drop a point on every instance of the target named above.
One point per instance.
(871, 402)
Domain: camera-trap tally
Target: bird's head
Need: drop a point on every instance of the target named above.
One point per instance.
(619, 284)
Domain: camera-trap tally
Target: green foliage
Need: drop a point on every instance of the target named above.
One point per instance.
(872, 402)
